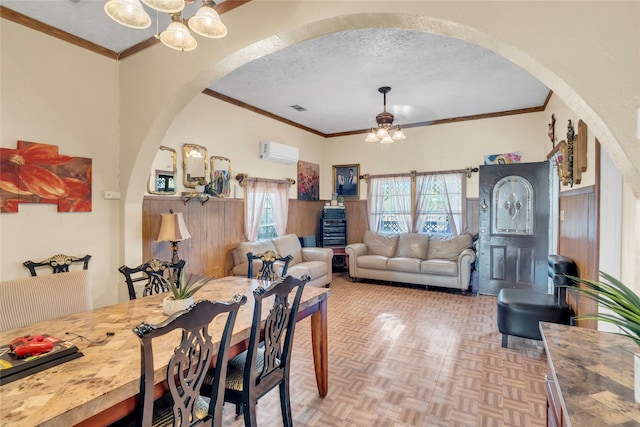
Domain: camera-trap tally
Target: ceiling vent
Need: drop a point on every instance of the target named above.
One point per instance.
(298, 107)
(279, 153)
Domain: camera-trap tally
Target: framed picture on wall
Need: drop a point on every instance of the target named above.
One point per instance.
(346, 181)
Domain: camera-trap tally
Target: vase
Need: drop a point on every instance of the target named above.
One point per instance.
(636, 376)
(170, 305)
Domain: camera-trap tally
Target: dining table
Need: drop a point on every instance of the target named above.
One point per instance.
(102, 386)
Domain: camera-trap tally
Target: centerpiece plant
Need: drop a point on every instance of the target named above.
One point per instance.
(182, 289)
(613, 295)
(623, 306)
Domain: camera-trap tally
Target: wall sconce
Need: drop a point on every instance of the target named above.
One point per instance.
(470, 170)
(174, 230)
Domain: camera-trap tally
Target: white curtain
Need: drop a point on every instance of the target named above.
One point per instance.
(391, 197)
(375, 201)
(280, 204)
(439, 196)
(255, 194)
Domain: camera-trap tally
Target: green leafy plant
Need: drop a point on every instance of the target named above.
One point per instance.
(186, 286)
(612, 294)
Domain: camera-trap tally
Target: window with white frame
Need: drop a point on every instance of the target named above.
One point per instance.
(436, 207)
(438, 204)
(267, 229)
(266, 209)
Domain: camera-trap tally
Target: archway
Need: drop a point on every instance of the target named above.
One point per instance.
(290, 33)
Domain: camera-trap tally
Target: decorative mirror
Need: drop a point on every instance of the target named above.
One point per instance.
(162, 177)
(195, 165)
(220, 176)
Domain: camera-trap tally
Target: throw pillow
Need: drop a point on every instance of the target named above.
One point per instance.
(413, 245)
(448, 247)
(380, 244)
(289, 245)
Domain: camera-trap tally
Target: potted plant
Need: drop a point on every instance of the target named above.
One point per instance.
(624, 311)
(200, 183)
(182, 291)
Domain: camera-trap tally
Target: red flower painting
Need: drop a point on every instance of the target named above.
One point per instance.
(37, 173)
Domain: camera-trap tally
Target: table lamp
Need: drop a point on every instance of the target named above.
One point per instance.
(174, 230)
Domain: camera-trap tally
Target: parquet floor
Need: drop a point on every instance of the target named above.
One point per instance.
(409, 357)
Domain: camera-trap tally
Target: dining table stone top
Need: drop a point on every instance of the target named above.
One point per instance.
(594, 372)
(109, 371)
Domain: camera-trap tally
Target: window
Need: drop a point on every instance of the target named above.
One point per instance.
(267, 208)
(267, 229)
(436, 207)
(439, 204)
(389, 203)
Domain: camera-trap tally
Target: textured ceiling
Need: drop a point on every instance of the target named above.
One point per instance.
(336, 77)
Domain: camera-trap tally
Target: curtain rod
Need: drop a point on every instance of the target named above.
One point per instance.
(414, 173)
(242, 179)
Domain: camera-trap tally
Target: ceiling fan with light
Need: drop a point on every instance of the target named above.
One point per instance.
(206, 22)
(385, 122)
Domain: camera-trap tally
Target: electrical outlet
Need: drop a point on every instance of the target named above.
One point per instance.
(561, 215)
(112, 195)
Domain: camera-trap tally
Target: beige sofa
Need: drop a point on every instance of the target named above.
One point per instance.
(316, 262)
(413, 258)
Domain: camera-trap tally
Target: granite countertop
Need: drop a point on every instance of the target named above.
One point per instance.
(594, 372)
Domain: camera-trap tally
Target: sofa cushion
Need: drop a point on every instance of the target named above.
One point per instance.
(376, 262)
(256, 247)
(409, 265)
(440, 267)
(413, 245)
(380, 244)
(316, 268)
(448, 247)
(289, 245)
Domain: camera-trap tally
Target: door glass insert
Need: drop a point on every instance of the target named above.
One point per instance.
(512, 206)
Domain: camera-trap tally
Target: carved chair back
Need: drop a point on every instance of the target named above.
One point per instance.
(150, 274)
(188, 365)
(268, 268)
(58, 263)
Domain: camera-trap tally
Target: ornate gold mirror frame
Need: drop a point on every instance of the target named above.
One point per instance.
(162, 176)
(195, 165)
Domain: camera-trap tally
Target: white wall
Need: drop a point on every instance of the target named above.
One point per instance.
(436, 148)
(56, 93)
(235, 133)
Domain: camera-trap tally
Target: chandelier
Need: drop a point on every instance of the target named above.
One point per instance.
(385, 122)
(205, 22)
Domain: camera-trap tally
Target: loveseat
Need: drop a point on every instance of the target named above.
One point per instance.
(413, 258)
(316, 262)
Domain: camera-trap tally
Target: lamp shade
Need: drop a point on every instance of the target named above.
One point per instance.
(177, 36)
(207, 23)
(168, 6)
(129, 13)
(172, 228)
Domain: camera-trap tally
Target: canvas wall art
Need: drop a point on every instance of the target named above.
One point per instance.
(308, 181)
(37, 173)
(502, 159)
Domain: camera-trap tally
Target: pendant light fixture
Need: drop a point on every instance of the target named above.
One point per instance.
(206, 22)
(385, 122)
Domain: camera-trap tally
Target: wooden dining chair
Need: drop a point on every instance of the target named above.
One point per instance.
(265, 364)
(58, 263)
(183, 405)
(150, 273)
(269, 266)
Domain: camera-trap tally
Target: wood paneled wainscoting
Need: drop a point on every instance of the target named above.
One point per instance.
(578, 240)
(216, 228)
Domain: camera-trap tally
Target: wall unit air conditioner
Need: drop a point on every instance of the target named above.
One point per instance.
(280, 153)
